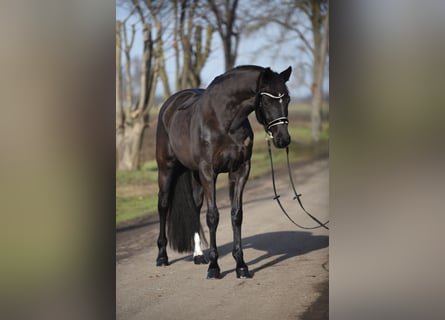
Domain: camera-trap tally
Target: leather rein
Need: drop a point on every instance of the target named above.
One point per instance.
(297, 196)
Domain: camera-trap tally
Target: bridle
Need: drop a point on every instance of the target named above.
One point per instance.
(278, 121)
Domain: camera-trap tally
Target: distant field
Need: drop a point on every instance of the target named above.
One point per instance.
(136, 191)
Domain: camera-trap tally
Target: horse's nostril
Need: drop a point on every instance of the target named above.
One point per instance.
(280, 143)
(287, 141)
(282, 140)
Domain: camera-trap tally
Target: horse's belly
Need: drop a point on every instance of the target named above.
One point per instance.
(182, 151)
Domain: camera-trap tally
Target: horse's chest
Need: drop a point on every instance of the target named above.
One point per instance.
(230, 155)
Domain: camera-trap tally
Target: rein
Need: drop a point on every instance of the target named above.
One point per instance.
(297, 195)
(276, 122)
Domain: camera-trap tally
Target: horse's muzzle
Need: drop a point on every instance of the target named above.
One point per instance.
(281, 140)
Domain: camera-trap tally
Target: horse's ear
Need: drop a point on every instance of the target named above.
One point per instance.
(286, 74)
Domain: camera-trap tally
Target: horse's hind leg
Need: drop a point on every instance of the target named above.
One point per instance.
(165, 174)
(237, 181)
(198, 194)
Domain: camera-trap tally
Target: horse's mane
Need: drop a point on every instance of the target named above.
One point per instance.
(233, 71)
(247, 66)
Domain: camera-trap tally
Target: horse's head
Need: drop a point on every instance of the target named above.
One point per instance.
(273, 104)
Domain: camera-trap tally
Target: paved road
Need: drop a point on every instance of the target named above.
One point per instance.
(290, 265)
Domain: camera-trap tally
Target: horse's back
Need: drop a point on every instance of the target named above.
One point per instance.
(182, 100)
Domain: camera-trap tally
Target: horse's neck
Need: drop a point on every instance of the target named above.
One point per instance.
(242, 112)
(231, 115)
(240, 92)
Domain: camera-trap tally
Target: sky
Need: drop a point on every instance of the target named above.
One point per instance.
(257, 49)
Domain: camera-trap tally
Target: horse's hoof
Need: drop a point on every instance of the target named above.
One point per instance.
(243, 273)
(213, 273)
(201, 259)
(162, 261)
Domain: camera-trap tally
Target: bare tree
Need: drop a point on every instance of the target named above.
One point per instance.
(133, 118)
(225, 18)
(318, 13)
(188, 36)
(187, 32)
(294, 16)
(127, 49)
(157, 9)
(120, 115)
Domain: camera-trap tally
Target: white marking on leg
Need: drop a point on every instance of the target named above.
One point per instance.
(198, 251)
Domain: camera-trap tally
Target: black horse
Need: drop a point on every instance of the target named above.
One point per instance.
(202, 133)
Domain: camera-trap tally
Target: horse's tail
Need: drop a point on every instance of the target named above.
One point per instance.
(183, 216)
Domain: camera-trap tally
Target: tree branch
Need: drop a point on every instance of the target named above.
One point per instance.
(129, 15)
(218, 17)
(289, 27)
(139, 10)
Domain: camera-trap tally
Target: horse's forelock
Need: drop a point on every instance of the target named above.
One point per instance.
(272, 81)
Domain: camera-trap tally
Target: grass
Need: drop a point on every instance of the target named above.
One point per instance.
(300, 148)
(147, 173)
(132, 207)
(136, 191)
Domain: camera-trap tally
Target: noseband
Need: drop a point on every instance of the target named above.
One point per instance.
(277, 121)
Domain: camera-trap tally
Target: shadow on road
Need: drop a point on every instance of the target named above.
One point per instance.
(277, 247)
(319, 309)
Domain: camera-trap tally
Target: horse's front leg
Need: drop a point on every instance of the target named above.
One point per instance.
(237, 180)
(208, 179)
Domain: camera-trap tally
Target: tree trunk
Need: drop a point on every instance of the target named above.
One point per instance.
(320, 29)
(120, 116)
(159, 55)
(228, 59)
(317, 100)
(225, 23)
(130, 145)
(316, 88)
(176, 44)
(128, 79)
(129, 137)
